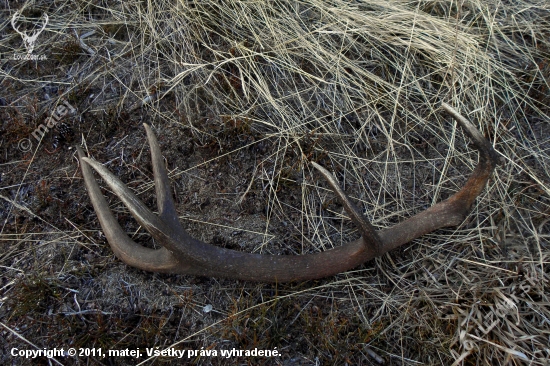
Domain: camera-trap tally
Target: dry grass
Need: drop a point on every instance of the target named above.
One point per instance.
(243, 94)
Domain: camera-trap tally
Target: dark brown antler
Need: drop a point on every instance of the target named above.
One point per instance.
(183, 254)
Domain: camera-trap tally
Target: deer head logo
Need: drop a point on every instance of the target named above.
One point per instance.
(28, 40)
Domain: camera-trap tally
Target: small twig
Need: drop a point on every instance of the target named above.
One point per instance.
(374, 355)
(83, 45)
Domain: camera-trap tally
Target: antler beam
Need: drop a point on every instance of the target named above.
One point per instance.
(180, 253)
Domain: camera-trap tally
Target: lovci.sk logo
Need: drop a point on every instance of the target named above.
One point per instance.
(28, 40)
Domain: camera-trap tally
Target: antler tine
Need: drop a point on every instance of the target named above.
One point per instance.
(127, 250)
(365, 228)
(450, 212)
(488, 160)
(196, 257)
(454, 209)
(169, 233)
(161, 231)
(165, 201)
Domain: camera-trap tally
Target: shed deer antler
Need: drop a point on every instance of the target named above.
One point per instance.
(180, 253)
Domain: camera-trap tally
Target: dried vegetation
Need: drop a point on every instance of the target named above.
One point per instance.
(243, 94)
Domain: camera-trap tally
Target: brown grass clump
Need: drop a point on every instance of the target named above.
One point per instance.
(243, 94)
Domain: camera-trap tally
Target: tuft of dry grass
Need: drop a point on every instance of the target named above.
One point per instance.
(243, 95)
